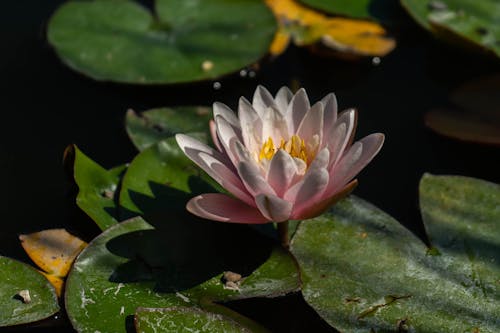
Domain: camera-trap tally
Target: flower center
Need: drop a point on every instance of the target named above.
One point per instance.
(296, 147)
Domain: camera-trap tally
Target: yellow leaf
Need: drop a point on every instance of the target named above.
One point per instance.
(307, 27)
(53, 251)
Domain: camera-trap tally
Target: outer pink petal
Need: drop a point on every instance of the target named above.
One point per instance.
(312, 189)
(330, 111)
(191, 147)
(225, 112)
(226, 134)
(253, 180)
(281, 172)
(297, 109)
(213, 134)
(356, 158)
(262, 99)
(343, 131)
(274, 208)
(220, 207)
(283, 98)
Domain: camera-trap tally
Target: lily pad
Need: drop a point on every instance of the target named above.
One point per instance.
(364, 271)
(344, 37)
(466, 22)
(182, 41)
(110, 279)
(26, 295)
(357, 9)
(97, 187)
(161, 178)
(182, 319)
(152, 126)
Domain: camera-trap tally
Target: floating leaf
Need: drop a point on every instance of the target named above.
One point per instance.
(110, 279)
(177, 319)
(152, 126)
(97, 187)
(161, 178)
(26, 295)
(181, 42)
(469, 23)
(478, 119)
(53, 251)
(307, 27)
(364, 271)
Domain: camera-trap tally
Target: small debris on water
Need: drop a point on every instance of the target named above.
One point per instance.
(437, 5)
(217, 85)
(207, 65)
(25, 295)
(231, 280)
(243, 73)
(376, 61)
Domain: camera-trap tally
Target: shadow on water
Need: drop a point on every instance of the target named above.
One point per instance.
(183, 251)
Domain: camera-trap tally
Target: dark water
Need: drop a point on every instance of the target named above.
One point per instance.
(45, 106)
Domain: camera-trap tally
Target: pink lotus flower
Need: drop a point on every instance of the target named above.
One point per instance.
(279, 158)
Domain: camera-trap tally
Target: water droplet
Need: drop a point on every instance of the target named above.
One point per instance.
(243, 73)
(217, 85)
(207, 65)
(251, 74)
(376, 61)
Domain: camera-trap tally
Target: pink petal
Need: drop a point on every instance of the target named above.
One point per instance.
(262, 100)
(281, 172)
(226, 134)
(225, 112)
(220, 207)
(253, 180)
(343, 131)
(356, 158)
(283, 98)
(191, 147)
(274, 208)
(330, 111)
(321, 160)
(251, 125)
(297, 109)
(274, 126)
(320, 206)
(312, 123)
(308, 189)
(213, 134)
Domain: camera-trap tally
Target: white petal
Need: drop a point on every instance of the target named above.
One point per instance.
(262, 100)
(281, 172)
(356, 158)
(274, 126)
(226, 134)
(213, 134)
(283, 98)
(274, 208)
(321, 160)
(251, 125)
(330, 111)
(253, 179)
(297, 109)
(225, 112)
(308, 189)
(311, 125)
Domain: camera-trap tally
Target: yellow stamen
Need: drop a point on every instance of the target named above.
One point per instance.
(296, 147)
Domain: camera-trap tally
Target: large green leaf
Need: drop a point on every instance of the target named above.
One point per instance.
(182, 319)
(182, 41)
(357, 8)
(161, 178)
(131, 265)
(364, 271)
(14, 309)
(97, 187)
(152, 126)
(467, 22)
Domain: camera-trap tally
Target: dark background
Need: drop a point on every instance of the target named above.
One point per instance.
(45, 106)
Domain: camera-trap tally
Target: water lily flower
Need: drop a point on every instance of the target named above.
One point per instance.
(279, 158)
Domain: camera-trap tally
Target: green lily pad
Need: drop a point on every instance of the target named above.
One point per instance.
(182, 319)
(15, 308)
(152, 126)
(182, 41)
(111, 277)
(97, 187)
(466, 22)
(356, 9)
(161, 178)
(364, 271)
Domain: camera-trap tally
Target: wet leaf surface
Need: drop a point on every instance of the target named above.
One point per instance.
(151, 126)
(364, 271)
(182, 41)
(169, 267)
(26, 296)
(53, 251)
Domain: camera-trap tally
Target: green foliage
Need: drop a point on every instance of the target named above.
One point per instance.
(14, 309)
(362, 270)
(182, 41)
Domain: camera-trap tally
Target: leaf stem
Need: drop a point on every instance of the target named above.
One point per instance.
(283, 234)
